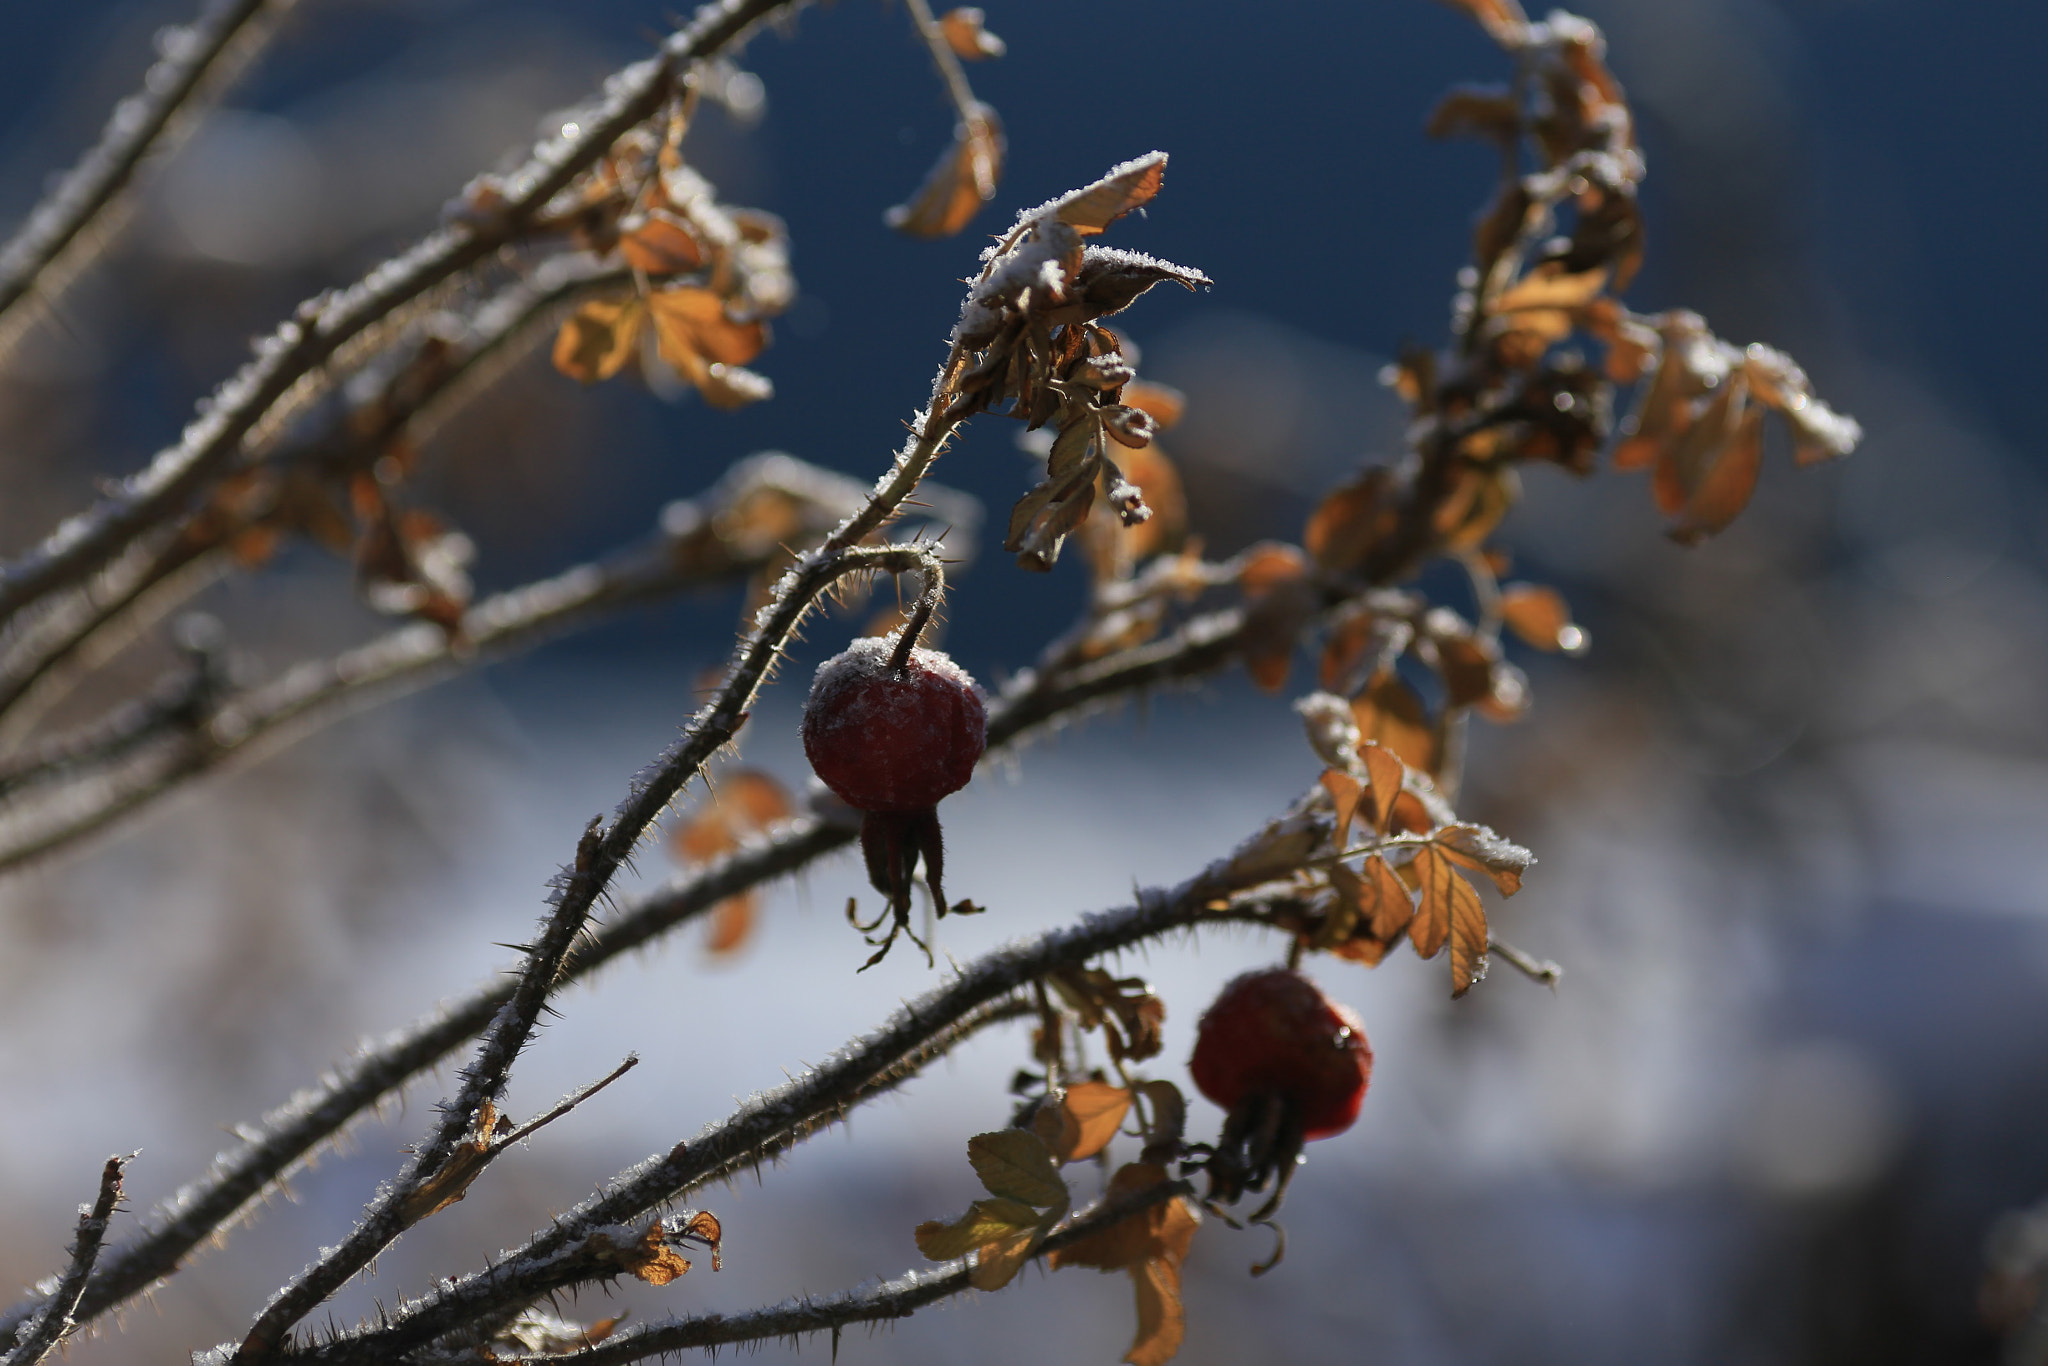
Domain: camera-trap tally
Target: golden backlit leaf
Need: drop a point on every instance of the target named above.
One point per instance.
(689, 319)
(1363, 950)
(1540, 617)
(1089, 1115)
(1450, 912)
(1386, 904)
(1550, 286)
(732, 923)
(1389, 712)
(1724, 487)
(985, 1222)
(997, 1263)
(1092, 208)
(659, 244)
(1278, 602)
(1352, 521)
(959, 184)
(1483, 851)
(1345, 793)
(1386, 774)
(1162, 1322)
(598, 339)
(1016, 1165)
(1465, 663)
(962, 29)
(1165, 403)
(1132, 1239)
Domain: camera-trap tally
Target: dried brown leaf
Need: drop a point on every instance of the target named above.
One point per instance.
(984, 1223)
(1483, 851)
(1132, 185)
(1724, 485)
(1540, 617)
(963, 32)
(1449, 911)
(692, 320)
(963, 180)
(997, 1263)
(1162, 1321)
(598, 339)
(1390, 713)
(1086, 1118)
(1386, 773)
(1345, 794)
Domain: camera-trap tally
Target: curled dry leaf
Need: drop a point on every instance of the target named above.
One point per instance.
(1481, 850)
(959, 184)
(746, 803)
(1151, 1245)
(1131, 185)
(963, 32)
(1540, 617)
(1126, 1009)
(1079, 1122)
(598, 339)
(1278, 601)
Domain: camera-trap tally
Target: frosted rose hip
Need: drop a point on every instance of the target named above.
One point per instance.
(1274, 1033)
(886, 741)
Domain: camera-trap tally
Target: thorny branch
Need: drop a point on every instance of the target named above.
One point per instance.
(892, 1299)
(34, 1340)
(62, 232)
(301, 346)
(214, 1201)
(559, 1256)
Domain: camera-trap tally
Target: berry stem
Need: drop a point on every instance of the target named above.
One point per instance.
(934, 572)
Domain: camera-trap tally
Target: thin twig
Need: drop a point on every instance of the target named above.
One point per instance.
(61, 233)
(892, 1299)
(34, 1340)
(1536, 969)
(322, 325)
(946, 60)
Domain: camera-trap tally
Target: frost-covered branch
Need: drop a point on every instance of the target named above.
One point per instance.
(34, 1340)
(322, 325)
(195, 64)
(550, 1260)
(793, 1319)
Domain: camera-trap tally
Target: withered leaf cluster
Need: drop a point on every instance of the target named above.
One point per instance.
(706, 277)
(1038, 352)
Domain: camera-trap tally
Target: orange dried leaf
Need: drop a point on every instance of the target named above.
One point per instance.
(692, 320)
(963, 180)
(1483, 851)
(1385, 902)
(984, 1222)
(660, 245)
(962, 29)
(1388, 711)
(1349, 524)
(1725, 485)
(1279, 601)
(1540, 617)
(997, 1263)
(1165, 403)
(1386, 773)
(1449, 911)
(1162, 1321)
(1344, 796)
(1502, 19)
(1089, 1116)
(1092, 208)
(732, 924)
(598, 339)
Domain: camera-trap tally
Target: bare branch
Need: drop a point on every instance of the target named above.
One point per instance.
(34, 1339)
(322, 325)
(892, 1299)
(74, 220)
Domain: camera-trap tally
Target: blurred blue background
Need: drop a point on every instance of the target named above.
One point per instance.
(1790, 810)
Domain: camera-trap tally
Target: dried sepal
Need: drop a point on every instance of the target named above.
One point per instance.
(963, 179)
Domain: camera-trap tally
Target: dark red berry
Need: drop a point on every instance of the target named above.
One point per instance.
(892, 737)
(890, 741)
(1274, 1033)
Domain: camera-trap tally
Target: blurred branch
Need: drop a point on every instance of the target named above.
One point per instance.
(34, 1340)
(553, 1259)
(451, 361)
(301, 346)
(894, 1299)
(74, 219)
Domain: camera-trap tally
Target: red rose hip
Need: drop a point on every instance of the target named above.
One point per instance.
(892, 732)
(1288, 1064)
